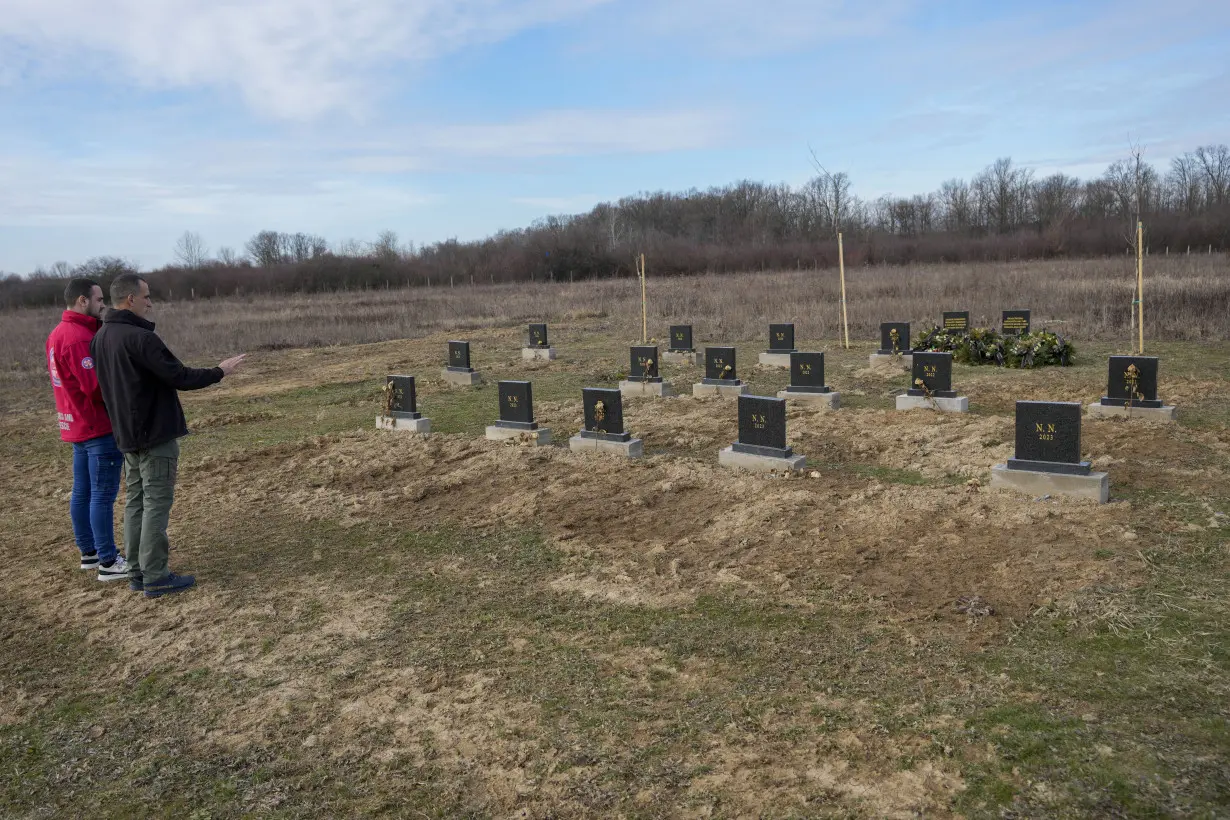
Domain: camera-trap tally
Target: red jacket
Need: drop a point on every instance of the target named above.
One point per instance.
(79, 403)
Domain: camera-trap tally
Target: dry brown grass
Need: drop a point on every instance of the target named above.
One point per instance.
(1187, 298)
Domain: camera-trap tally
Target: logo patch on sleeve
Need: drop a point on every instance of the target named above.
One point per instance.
(87, 363)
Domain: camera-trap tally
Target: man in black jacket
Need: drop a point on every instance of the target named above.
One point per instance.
(139, 378)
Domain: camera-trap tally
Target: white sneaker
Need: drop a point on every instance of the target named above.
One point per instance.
(116, 572)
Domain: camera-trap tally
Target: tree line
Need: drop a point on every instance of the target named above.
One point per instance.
(1003, 212)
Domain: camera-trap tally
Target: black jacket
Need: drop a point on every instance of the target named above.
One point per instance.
(138, 376)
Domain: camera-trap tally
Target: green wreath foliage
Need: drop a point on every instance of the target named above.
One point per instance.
(982, 345)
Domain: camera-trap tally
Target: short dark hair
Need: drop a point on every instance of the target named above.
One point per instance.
(123, 286)
(78, 288)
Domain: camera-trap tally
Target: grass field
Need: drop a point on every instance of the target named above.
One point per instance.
(388, 625)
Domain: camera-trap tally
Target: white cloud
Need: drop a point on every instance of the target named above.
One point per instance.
(741, 27)
(290, 59)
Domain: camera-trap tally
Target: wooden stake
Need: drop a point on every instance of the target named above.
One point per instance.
(841, 266)
(1140, 285)
(644, 308)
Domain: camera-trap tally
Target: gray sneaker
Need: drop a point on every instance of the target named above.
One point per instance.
(118, 571)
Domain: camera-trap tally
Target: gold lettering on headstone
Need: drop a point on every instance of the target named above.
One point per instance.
(805, 368)
(512, 400)
(1045, 432)
(759, 421)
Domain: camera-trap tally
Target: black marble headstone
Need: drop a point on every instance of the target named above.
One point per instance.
(399, 398)
(1048, 438)
(935, 370)
(459, 357)
(1132, 382)
(894, 338)
(720, 366)
(604, 414)
(762, 427)
(538, 336)
(781, 338)
(957, 320)
(644, 364)
(807, 373)
(516, 406)
(1015, 322)
(681, 339)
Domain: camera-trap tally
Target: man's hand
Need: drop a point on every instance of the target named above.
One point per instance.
(229, 366)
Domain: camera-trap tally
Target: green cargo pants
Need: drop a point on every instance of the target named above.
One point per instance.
(151, 492)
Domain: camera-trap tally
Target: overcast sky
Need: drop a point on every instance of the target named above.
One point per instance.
(124, 123)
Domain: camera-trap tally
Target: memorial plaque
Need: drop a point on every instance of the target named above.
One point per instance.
(1048, 437)
(807, 373)
(459, 357)
(956, 320)
(681, 339)
(1016, 322)
(762, 427)
(644, 364)
(720, 366)
(538, 336)
(1132, 382)
(894, 338)
(781, 338)
(934, 370)
(399, 398)
(604, 414)
(516, 406)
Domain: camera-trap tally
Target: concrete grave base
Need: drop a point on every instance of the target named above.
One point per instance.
(633, 448)
(1166, 412)
(403, 425)
(659, 389)
(1094, 486)
(538, 354)
(673, 357)
(725, 391)
(760, 464)
(458, 378)
(904, 361)
(534, 438)
(956, 404)
(781, 360)
(832, 401)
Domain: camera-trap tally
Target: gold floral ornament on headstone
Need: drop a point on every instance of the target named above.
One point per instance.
(646, 369)
(896, 339)
(726, 370)
(599, 413)
(1131, 380)
(393, 396)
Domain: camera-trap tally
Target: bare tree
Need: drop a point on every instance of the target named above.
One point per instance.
(61, 270)
(1056, 200)
(834, 194)
(1215, 161)
(190, 250)
(265, 249)
(385, 245)
(227, 256)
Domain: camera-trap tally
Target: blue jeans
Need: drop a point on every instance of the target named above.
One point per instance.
(96, 482)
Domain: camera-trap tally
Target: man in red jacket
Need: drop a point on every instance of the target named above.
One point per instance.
(83, 421)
